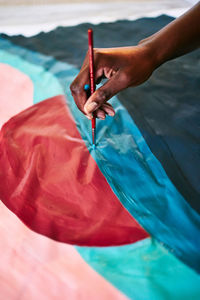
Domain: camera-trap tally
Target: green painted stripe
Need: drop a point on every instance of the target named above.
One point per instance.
(46, 85)
(144, 271)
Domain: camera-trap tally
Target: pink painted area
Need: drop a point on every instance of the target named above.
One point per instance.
(34, 267)
(16, 92)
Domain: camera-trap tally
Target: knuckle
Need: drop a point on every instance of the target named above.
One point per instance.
(125, 78)
(101, 95)
(97, 54)
(75, 89)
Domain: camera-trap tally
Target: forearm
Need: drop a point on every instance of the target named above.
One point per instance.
(178, 38)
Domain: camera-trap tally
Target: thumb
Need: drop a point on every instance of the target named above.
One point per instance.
(104, 93)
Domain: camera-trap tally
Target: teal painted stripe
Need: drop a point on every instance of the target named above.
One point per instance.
(144, 270)
(132, 171)
(45, 84)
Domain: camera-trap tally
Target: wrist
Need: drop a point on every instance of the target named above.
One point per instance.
(155, 50)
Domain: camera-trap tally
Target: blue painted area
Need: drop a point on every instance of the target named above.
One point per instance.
(140, 182)
(133, 172)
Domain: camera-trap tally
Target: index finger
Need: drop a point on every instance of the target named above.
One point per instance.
(77, 88)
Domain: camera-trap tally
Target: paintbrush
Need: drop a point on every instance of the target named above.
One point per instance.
(92, 81)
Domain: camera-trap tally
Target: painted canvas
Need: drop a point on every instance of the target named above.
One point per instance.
(120, 221)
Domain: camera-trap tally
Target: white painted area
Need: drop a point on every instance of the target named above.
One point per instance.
(30, 20)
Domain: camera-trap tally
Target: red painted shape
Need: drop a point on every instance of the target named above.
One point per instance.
(51, 182)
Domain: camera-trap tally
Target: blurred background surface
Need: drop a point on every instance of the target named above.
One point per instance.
(32, 16)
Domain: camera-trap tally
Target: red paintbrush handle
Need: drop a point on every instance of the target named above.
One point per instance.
(91, 60)
(92, 81)
(93, 123)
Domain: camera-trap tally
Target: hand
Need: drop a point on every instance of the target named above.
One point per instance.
(131, 66)
(123, 67)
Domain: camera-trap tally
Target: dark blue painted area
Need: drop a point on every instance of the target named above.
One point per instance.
(133, 172)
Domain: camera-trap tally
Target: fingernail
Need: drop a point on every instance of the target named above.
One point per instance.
(111, 113)
(90, 107)
(89, 116)
(101, 118)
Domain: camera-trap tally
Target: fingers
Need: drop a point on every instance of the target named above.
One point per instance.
(105, 109)
(108, 109)
(104, 93)
(77, 89)
(80, 97)
(106, 65)
(100, 114)
(83, 78)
